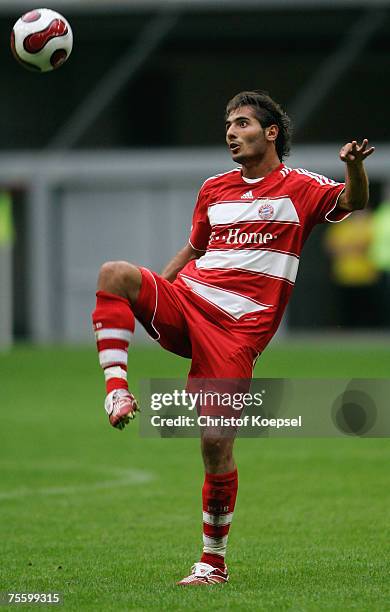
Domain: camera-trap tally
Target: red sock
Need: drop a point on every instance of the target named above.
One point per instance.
(113, 323)
(219, 497)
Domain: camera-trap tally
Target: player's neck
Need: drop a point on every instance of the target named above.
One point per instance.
(253, 169)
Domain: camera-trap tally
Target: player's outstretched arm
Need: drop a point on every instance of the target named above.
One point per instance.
(177, 263)
(355, 195)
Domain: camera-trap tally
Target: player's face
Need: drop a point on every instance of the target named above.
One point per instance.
(245, 137)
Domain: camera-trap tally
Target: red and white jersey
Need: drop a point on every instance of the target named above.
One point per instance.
(253, 232)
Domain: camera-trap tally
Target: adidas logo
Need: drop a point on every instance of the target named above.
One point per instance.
(247, 196)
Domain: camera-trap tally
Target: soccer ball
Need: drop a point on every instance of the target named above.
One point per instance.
(41, 40)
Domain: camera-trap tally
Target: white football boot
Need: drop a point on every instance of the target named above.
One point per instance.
(121, 407)
(203, 573)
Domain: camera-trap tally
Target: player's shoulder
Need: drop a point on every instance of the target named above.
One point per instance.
(221, 179)
(302, 176)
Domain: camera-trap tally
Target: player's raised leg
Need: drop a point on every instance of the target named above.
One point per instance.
(113, 321)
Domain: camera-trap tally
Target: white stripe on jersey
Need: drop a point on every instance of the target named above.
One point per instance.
(320, 178)
(234, 304)
(261, 261)
(285, 171)
(234, 212)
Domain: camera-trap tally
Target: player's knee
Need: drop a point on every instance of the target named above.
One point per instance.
(216, 447)
(117, 276)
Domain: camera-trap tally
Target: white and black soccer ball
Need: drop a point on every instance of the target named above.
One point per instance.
(42, 40)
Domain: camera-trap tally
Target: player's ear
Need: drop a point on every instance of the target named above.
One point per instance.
(271, 132)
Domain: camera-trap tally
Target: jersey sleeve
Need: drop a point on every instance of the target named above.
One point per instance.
(323, 195)
(200, 229)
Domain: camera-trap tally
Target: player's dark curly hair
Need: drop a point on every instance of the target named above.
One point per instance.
(268, 112)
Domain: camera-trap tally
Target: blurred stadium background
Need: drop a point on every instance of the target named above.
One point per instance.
(102, 160)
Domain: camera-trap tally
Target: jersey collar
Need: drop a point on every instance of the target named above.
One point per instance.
(265, 179)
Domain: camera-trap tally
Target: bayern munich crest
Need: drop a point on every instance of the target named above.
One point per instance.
(266, 212)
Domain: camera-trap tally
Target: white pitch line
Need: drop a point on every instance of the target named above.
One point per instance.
(126, 478)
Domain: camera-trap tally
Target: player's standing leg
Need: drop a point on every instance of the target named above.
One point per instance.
(219, 497)
(113, 321)
(220, 486)
(219, 494)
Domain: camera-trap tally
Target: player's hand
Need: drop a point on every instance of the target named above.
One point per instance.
(353, 152)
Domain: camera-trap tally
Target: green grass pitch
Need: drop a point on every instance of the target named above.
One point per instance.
(112, 520)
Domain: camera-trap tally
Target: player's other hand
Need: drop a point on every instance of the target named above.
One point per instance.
(353, 152)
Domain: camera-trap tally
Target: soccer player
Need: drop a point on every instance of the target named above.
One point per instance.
(221, 298)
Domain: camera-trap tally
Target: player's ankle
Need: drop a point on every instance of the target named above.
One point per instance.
(116, 378)
(215, 560)
(114, 386)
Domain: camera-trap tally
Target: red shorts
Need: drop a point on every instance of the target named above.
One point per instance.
(187, 325)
